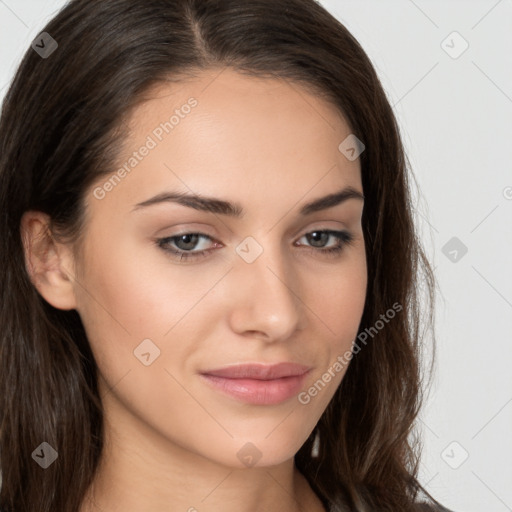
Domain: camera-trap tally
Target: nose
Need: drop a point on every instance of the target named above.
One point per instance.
(266, 300)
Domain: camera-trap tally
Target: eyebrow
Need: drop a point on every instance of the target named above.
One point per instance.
(215, 205)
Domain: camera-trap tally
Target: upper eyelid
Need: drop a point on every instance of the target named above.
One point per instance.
(317, 226)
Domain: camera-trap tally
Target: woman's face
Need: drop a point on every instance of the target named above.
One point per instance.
(264, 291)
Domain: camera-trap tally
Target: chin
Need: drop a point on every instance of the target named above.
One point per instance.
(273, 451)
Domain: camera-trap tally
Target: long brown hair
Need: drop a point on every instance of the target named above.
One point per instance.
(61, 128)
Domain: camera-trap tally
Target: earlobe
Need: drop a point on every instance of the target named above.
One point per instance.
(49, 263)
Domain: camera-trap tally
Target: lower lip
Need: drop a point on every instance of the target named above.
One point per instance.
(258, 392)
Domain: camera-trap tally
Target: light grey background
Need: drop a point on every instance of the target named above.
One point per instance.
(455, 113)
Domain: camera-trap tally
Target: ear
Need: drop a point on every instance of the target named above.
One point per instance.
(49, 264)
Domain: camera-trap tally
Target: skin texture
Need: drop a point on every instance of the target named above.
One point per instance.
(172, 440)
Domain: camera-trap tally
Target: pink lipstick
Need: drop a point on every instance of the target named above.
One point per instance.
(258, 384)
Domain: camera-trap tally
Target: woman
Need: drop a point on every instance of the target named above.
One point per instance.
(210, 266)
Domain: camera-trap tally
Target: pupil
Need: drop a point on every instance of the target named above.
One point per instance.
(188, 240)
(318, 236)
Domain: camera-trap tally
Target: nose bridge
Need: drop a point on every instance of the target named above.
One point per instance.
(267, 300)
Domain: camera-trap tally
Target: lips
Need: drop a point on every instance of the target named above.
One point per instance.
(259, 371)
(258, 384)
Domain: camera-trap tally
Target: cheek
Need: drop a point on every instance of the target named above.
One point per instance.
(118, 303)
(338, 298)
(130, 293)
(340, 308)
(133, 288)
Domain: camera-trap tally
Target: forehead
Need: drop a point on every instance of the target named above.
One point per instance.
(233, 100)
(222, 133)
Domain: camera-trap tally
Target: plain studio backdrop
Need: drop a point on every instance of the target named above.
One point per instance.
(446, 68)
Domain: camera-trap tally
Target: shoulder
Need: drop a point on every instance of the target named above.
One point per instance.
(430, 507)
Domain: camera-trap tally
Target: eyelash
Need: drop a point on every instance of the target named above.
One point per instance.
(344, 237)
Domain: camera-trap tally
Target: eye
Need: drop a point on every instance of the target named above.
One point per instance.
(319, 237)
(181, 246)
(185, 243)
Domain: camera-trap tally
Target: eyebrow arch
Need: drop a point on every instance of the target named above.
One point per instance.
(215, 205)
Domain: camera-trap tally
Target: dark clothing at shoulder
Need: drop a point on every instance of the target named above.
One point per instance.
(428, 507)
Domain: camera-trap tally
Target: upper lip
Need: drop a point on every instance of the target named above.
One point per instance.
(259, 371)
